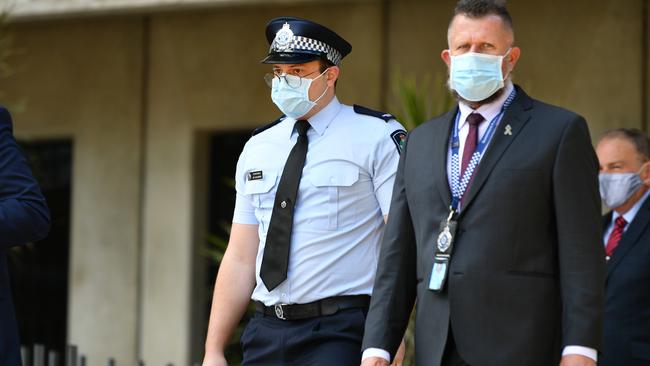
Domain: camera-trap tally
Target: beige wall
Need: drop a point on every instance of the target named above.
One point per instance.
(136, 227)
(42, 9)
(81, 80)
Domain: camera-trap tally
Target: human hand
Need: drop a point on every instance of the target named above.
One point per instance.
(373, 361)
(399, 356)
(214, 359)
(576, 360)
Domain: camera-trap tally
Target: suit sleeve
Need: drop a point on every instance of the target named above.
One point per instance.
(581, 254)
(395, 283)
(24, 216)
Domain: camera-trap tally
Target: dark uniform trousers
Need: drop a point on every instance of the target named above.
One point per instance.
(320, 341)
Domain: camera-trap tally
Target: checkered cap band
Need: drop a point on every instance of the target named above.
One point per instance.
(308, 44)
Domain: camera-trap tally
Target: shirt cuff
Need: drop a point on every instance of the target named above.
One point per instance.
(582, 351)
(375, 352)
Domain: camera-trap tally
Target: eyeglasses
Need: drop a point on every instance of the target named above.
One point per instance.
(293, 81)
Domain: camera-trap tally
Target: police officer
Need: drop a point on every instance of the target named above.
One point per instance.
(313, 191)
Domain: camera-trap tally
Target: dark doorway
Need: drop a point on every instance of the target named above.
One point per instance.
(225, 148)
(39, 271)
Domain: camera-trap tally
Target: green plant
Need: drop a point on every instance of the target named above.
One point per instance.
(214, 248)
(418, 98)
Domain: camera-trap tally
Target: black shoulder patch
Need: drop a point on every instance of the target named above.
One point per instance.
(266, 127)
(369, 112)
(399, 138)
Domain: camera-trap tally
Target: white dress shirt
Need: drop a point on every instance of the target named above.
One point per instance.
(344, 192)
(489, 112)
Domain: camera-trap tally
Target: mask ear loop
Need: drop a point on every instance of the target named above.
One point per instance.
(326, 88)
(504, 57)
(643, 166)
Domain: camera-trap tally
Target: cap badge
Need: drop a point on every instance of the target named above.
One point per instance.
(283, 39)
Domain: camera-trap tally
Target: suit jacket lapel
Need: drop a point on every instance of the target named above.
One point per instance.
(630, 237)
(516, 117)
(441, 149)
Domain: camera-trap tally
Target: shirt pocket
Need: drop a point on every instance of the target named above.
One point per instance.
(334, 182)
(262, 191)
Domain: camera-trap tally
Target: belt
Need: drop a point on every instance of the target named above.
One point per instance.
(328, 306)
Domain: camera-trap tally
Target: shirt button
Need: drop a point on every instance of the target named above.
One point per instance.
(283, 204)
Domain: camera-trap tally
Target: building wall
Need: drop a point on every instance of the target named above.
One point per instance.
(41, 9)
(82, 79)
(138, 93)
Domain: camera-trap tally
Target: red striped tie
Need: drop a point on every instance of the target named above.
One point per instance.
(615, 236)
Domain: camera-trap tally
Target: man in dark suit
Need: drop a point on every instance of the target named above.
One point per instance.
(500, 245)
(24, 217)
(624, 156)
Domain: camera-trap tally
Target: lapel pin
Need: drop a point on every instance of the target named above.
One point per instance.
(508, 131)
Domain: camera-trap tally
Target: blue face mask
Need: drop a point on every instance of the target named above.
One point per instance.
(294, 102)
(476, 76)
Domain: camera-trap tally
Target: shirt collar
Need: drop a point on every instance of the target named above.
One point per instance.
(321, 120)
(488, 111)
(631, 213)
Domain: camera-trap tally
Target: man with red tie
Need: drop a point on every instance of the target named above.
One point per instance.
(624, 156)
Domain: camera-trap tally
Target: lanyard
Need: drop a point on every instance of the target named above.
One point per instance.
(459, 184)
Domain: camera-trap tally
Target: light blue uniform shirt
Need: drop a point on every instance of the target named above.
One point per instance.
(344, 192)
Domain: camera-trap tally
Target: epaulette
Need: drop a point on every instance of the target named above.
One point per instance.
(369, 112)
(266, 127)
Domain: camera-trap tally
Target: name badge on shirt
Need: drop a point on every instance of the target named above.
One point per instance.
(256, 175)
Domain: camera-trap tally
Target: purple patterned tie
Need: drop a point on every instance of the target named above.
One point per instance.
(471, 141)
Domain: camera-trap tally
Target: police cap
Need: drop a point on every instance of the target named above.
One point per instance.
(296, 41)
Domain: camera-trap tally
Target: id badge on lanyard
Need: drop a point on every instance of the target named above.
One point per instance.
(447, 229)
(442, 257)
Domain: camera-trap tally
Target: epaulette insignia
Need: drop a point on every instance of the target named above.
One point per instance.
(369, 112)
(266, 127)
